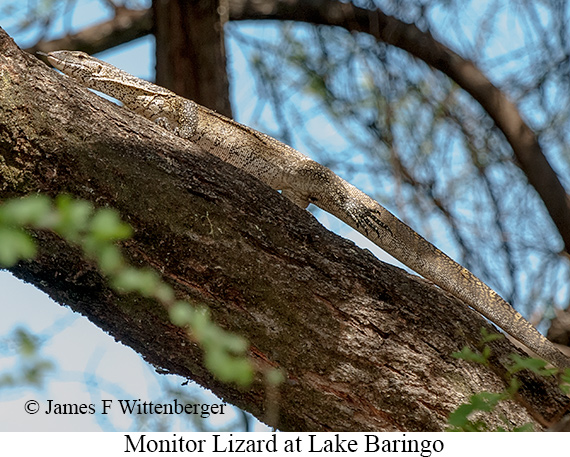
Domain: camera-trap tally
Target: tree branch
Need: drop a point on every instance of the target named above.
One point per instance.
(363, 345)
(422, 45)
(125, 26)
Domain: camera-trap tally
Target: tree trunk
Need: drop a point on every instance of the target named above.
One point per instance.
(190, 51)
(363, 345)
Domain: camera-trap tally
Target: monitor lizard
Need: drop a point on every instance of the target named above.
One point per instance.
(303, 181)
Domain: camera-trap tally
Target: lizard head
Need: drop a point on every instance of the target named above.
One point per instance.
(77, 64)
(102, 76)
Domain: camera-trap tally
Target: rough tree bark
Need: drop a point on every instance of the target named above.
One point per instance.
(364, 345)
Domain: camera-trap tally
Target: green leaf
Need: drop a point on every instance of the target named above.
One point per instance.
(483, 401)
(135, 280)
(164, 293)
(490, 337)
(110, 259)
(107, 225)
(200, 324)
(181, 314)
(274, 376)
(565, 381)
(467, 354)
(74, 217)
(234, 343)
(26, 342)
(15, 245)
(486, 401)
(227, 368)
(34, 211)
(460, 417)
(513, 388)
(537, 366)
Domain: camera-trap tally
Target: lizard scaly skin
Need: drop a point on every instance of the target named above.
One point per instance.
(303, 181)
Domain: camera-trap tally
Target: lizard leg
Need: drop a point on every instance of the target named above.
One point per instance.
(187, 119)
(296, 197)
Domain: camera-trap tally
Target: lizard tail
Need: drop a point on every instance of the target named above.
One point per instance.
(385, 230)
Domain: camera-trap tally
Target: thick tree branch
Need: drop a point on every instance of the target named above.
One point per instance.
(408, 37)
(364, 346)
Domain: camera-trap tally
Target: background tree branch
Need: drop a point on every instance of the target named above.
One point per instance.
(364, 346)
(126, 25)
(422, 45)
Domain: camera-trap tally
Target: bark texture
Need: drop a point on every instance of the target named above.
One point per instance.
(364, 345)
